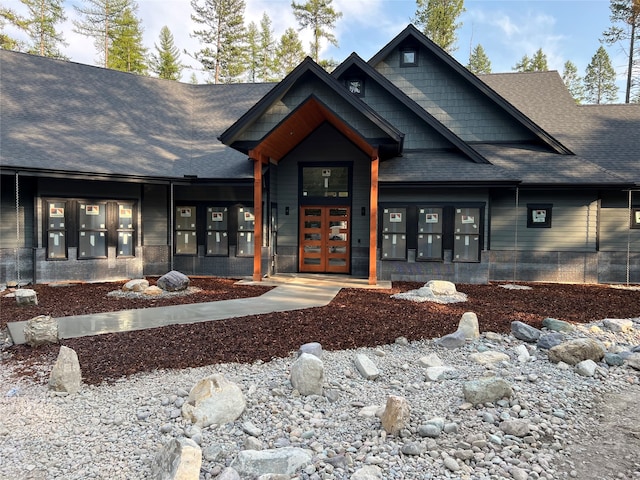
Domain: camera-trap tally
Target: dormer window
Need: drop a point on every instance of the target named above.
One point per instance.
(409, 57)
(356, 86)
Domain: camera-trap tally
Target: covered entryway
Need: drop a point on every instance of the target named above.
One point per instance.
(325, 239)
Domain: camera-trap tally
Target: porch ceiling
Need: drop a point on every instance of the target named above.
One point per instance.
(300, 124)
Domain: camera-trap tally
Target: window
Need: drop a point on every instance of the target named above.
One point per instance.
(246, 225)
(394, 234)
(635, 218)
(325, 182)
(539, 215)
(56, 230)
(125, 230)
(186, 239)
(356, 86)
(409, 57)
(92, 230)
(217, 231)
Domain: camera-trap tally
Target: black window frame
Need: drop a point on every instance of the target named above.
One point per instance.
(348, 83)
(535, 207)
(57, 230)
(635, 218)
(403, 62)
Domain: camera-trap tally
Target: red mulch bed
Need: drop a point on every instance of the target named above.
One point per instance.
(355, 318)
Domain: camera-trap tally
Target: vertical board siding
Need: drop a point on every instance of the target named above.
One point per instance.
(573, 224)
(451, 100)
(155, 211)
(8, 234)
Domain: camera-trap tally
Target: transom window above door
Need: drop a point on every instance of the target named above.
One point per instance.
(325, 182)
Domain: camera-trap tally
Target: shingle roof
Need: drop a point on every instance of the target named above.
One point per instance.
(82, 119)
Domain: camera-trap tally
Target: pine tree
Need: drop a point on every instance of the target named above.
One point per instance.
(126, 51)
(320, 16)
(222, 36)
(573, 81)
(438, 18)
(479, 63)
(537, 63)
(626, 12)
(289, 52)
(97, 19)
(165, 63)
(600, 79)
(253, 51)
(42, 20)
(7, 42)
(268, 46)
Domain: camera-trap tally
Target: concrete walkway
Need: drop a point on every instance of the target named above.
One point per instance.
(291, 292)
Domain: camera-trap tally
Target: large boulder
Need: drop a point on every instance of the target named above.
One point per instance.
(557, 325)
(173, 281)
(66, 375)
(180, 459)
(136, 285)
(396, 414)
(41, 330)
(575, 351)
(26, 297)
(307, 374)
(442, 287)
(486, 390)
(525, 332)
(279, 461)
(214, 400)
(469, 325)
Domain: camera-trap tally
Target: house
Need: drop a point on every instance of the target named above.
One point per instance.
(403, 167)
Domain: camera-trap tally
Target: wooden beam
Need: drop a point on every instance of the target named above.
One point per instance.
(257, 212)
(373, 222)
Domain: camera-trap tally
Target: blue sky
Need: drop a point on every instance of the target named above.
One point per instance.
(507, 29)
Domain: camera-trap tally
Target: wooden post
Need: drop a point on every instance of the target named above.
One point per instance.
(257, 212)
(373, 222)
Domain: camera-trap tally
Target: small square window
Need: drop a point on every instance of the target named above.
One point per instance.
(356, 86)
(635, 218)
(408, 58)
(539, 216)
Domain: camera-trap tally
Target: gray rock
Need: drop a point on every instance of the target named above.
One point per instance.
(368, 472)
(451, 464)
(489, 357)
(228, 474)
(453, 340)
(136, 285)
(26, 297)
(307, 374)
(573, 352)
(430, 360)
(613, 359)
(366, 367)
(173, 281)
(633, 361)
(179, 459)
(469, 326)
(525, 332)
(312, 348)
(41, 330)
(429, 430)
(66, 375)
(486, 390)
(441, 287)
(586, 368)
(435, 374)
(517, 428)
(214, 400)
(557, 325)
(412, 448)
(618, 325)
(518, 473)
(549, 340)
(279, 461)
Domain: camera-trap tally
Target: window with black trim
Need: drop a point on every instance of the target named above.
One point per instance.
(125, 230)
(186, 236)
(635, 218)
(539, 215)
(56, 230)
(409, 57)
(217, 231)
(246, 238)
(356, 86)
(92, 230)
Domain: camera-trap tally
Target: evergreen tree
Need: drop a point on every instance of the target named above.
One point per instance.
(268, 46)
(126, 51)
(626, 12)
(97, 19)
(222, 36)
(537, 63)
(320, 16)
(253, 51)
(289, 52)
(165, 63)
(42, 20)
(438, 18)
(479, 63)
(8, 16)
(600, 79)
(573, 81)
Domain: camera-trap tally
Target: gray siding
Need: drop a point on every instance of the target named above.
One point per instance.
(20, 235)
(615, 231)
(155, 211)
(573, 225)
(450, 99)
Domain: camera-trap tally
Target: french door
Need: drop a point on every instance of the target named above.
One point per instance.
(325, 239)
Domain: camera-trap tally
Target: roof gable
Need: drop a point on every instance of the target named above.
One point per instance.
(308, 71)
(455, 112)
